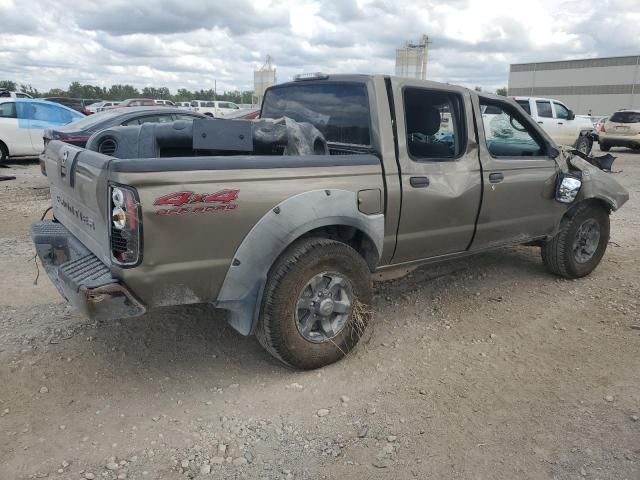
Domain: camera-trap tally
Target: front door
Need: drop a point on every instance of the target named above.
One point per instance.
(440, 170)
(518, 202)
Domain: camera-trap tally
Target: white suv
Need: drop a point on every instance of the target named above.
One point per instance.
(8, 93)
(214, 108)
(560, 123)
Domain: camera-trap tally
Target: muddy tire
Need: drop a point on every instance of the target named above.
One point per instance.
(604, 147)
(584, 144)
(580, 243)
(316, 303)
(4, 154)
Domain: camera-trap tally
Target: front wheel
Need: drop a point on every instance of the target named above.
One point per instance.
(579, 245)
(4, 154)
(604, 147)
(584, 144)
(316, 303)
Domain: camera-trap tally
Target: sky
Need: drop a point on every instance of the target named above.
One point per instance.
(194, 43)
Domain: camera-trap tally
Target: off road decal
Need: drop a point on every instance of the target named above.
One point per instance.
(181, 202)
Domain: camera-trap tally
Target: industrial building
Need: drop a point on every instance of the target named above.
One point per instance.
(411, 60)
(596, 85)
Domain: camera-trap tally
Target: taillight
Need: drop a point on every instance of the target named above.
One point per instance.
(602, 129)
(125, 224)
(78, 139)
(43, 167)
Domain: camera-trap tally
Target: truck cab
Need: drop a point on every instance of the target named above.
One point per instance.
(560, 122)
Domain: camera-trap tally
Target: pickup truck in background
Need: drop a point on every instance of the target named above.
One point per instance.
(560, 122)
(281, 221)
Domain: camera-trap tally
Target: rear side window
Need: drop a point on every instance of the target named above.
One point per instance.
(340, 110)
(525, 105)
(625, 117)
(544, 108)
(8, 110)
(435, 124)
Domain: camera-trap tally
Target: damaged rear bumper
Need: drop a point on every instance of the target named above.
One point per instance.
(81, 277)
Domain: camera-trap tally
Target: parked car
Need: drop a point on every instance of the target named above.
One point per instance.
(560, 122)
(22, 122)
(77, 104)
(77, 133)
(600, 126)
(186, 105)
(138, 102)
(214, 108)
(622, 129)
(244, 114)
(100, 106)
(285, 235)
(167, 103)
(8, 93)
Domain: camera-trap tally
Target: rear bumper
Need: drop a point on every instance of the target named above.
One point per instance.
(630, 141)
(81, 277)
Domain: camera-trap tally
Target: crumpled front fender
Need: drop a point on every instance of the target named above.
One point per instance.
(596, 183)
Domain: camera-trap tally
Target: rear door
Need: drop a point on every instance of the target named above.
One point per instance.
(13, 132)
(440, 171)
(519, 179)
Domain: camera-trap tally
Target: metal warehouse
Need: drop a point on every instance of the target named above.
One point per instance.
(597, 85)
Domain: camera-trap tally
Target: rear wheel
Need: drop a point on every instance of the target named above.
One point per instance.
(316, 303)
(605, 147)
(579, 245)
(4, 153)
(584, 144)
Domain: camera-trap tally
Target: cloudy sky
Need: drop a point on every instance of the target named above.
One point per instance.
(191, 43)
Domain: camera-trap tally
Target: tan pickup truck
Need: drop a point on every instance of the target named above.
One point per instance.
(281, 222)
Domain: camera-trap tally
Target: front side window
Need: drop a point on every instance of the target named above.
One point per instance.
(434, 124)
(561, 111)
(340, 110)
(8, 110)
(507, 134)
(544, 108)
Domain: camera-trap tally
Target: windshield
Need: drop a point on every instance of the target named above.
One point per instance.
(339, 110)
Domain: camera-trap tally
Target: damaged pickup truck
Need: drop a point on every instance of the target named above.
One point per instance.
(281, 222)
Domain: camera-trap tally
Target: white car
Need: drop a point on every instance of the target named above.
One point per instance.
(8, 93)
(185, 105)
(560, 123)
(166, 103)
(214, 108)
(101, 106)
(22, 124)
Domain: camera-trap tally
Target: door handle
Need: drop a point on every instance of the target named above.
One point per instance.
(496, 177)
(560, 123)
(419, 182)
(540, 122)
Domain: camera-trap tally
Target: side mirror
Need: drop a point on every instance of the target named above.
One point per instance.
(571, 116)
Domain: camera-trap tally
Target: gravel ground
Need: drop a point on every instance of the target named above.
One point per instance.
(486, 368)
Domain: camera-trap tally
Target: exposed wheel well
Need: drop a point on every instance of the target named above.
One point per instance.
(4, 145)
(355, 238)
(596, 202)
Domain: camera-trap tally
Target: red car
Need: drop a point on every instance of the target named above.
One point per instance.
(244, 114)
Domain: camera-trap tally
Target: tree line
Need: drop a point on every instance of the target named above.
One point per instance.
(123, 91)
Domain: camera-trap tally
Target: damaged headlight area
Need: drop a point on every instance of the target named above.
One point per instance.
(125, 234)
(568, 188)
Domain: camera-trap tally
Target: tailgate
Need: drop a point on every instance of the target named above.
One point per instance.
(79, 193)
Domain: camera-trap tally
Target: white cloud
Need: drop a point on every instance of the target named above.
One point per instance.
(192, 44)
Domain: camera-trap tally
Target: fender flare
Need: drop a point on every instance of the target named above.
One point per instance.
(243, 286)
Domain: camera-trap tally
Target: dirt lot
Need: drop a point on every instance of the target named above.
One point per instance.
(487, 368)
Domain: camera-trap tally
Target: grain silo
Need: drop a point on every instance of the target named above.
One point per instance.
(411, 60)
(263, 78)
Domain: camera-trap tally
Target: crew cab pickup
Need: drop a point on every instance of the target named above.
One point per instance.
(281, 222)
(560, 122)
